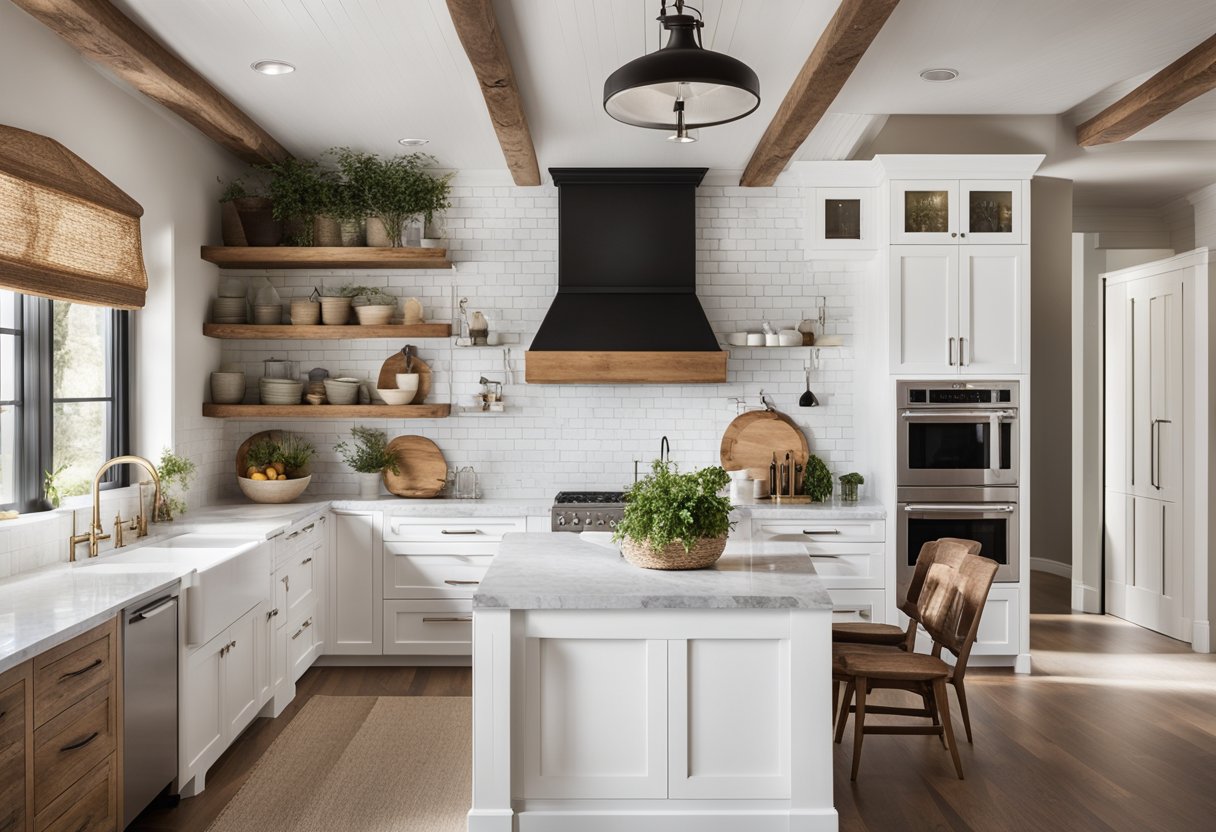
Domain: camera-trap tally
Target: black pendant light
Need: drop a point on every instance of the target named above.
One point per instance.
(682, 86)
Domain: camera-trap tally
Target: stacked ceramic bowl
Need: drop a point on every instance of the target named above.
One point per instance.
(230, 310)
(227, 387)
(342, 390)
(268, 314)
(280, 390)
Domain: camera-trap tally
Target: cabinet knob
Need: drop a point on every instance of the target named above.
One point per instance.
(962, 234)
(953, 234)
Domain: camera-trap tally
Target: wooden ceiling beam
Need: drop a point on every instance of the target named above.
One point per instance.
(478, 31)
(1186, 78)
(847, 37)
(104, 35)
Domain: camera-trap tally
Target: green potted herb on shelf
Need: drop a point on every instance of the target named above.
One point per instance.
(848, 486)
(369, 457)
(674, 520)
(436, 193)
(817, 484)
(302, 192)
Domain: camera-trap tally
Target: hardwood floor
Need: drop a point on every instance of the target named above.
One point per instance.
(1114, 730)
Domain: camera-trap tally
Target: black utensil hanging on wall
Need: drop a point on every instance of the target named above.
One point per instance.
(808, 398)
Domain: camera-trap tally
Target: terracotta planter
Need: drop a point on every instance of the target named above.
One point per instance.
(258, 222)
(335, 311)
(326, 231)
(705, 552)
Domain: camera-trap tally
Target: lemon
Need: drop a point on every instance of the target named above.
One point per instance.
(257, 475)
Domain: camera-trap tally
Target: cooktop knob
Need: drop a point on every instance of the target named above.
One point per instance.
(576, 520)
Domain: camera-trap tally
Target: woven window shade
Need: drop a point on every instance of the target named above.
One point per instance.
(66, 232)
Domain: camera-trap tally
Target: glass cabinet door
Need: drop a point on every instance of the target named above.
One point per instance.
(991, 211)
(924, 211)
(841, 218)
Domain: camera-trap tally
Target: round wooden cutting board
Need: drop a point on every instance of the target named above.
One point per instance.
(423, 472)
(753, 437)
(387, 380)
(242, 453)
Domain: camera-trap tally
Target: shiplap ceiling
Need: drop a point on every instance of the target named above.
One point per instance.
(372, 71)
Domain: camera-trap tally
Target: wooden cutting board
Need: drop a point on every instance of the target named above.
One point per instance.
(753, 437)
(387, 380)
(242, 453)
(424, 471)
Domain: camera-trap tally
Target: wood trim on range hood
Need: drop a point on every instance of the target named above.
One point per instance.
(571, 367)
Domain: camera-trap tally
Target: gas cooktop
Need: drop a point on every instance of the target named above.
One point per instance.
(598, 497)
(587, 511)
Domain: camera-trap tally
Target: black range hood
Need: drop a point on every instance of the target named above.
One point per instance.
(626, 308)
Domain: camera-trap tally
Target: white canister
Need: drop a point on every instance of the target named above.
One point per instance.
(742, 492)
(369, 485)
(771, 339)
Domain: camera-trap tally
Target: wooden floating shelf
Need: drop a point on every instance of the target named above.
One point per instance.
(322, 257)
(327, 411)
(320, 332)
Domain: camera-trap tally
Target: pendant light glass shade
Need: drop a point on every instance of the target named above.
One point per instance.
(711, 87)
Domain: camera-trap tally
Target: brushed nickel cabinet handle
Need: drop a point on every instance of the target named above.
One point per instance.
(82, 671)
(272, 613)
(297, 634)
(821, 531)
(445, 620)
(306, 561)
(460, 531)
(951, 350)
(461, 583)
(962, 343)
(82, 743)
(308, 528)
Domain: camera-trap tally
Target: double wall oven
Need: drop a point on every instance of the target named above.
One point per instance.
(957, 473)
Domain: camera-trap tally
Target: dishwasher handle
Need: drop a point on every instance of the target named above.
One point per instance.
(156, 608)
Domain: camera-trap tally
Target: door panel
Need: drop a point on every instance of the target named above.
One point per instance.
(1117, 545)
(990, 211)
(1118, 399)
(240, 675)
(924, 309)
(992, 285)
(355, 623)
(924, 211)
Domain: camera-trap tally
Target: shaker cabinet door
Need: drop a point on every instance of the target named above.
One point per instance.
(924, 309)
(356, 585)
(993, 289)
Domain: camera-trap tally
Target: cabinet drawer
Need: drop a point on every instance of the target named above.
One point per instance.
(820, 531)
(452, 530)
(848, 565)
(298, 539)
(302, 646)
(71, 745)
(431, 576)
(858, 605)
(89, 805)
(428, 628)
(295, 587)
(67, 673)
(12, 753)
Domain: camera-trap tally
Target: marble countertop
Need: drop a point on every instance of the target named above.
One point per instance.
(41, 609)
(448, 507)
(864, 509)
(568, 571)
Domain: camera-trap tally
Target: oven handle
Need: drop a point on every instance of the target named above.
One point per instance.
(954, 507)
(943, 415)
(994, 450)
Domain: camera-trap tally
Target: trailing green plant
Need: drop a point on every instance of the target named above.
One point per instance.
(668, 506)
(817, 483)
(369, 453)
(301, 191)
(175, 472)
(852, 479)
(51, 487)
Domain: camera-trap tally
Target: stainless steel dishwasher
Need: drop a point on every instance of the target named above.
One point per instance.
(149, 702)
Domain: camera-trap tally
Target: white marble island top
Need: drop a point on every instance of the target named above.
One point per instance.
(567, 571)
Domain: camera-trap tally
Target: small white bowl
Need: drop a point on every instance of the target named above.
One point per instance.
(341, 392)
(394, 396)
(789, 338)
(755, 339)
(771, 339)
(408, 383)
(737, 339)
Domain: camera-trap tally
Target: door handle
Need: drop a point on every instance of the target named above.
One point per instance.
(951, 350)
(82, 671)
(461, 583)
(156, 610)
(1155, 453)
(952, 507)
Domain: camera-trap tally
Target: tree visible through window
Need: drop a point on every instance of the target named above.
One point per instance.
(63, 379)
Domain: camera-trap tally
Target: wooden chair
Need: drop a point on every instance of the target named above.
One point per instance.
(950, 604)
(891, 635)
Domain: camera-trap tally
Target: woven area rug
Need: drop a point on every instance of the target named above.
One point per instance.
(362, 764)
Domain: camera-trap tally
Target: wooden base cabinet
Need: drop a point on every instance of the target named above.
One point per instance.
(16, 742)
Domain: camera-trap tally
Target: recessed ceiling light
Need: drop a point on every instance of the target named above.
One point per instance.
(272, 67)
(941, 74)
(412, 142)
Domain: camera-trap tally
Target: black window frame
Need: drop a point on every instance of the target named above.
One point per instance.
(35, 420)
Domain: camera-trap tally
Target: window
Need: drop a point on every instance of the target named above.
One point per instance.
(63, 396)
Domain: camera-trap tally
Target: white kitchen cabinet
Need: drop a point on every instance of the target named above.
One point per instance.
(356, 584)
(999, 633)
(959, 310)
(302, 647)
(842, 219)
(221, 685)
(428, 628)
(977, 211)
(447, 575)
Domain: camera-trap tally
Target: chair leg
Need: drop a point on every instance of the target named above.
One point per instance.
(943, 704)
(859, 724)
(930, 698)
(844, 710)
(962, 706)
(835, 699)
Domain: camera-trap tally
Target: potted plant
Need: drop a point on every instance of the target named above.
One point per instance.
(848, 486)
(370, 457)
(374, 306)
(277, 471)
(674, 520)
(391, 189)
(436, 193)
(52, 490)
(336, 303)
(301, 192)
(175, 472)
(247, 219)
(817, 484)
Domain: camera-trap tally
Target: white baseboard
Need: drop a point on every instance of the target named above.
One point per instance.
(1053, 567)
(1086, 598)
(1201, 636)
(394, 661)
(687, 820)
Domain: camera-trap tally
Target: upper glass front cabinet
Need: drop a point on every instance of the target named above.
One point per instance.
(958, 211)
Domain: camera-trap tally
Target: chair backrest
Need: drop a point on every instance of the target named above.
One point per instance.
(955, 626)
(950, 550)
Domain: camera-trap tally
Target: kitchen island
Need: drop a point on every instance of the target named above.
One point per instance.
(608, 697)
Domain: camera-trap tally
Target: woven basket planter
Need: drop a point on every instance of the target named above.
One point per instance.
(705, 552)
